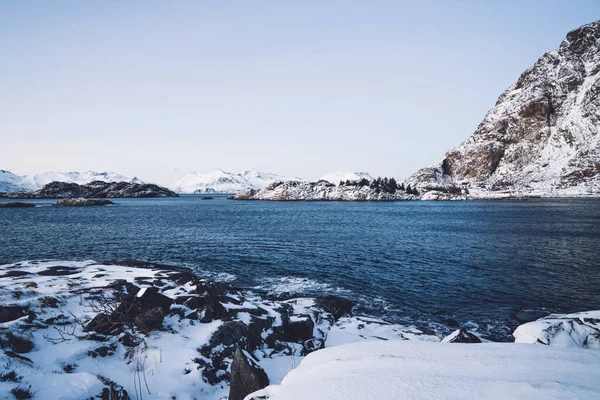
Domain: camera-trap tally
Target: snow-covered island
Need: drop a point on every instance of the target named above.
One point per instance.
(73, 330)
(363, 190)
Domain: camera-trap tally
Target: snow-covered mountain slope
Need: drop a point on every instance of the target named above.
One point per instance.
(543, 133)
(337, 176)
(260, 180)
(219, 181)
(33, 182)
(10, 182)
(423, 370)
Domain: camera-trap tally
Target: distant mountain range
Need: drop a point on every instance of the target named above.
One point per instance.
(217, 181)
(10, 182)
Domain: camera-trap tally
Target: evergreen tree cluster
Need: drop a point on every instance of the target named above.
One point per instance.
(385, 184)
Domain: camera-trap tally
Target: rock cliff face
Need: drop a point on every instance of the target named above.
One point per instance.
(321, 191)
(543, 133)
(96, 189)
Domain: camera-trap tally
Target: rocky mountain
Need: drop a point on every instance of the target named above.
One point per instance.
(219, 181)
(10, 182)
(542, 136)
(338, 176)
(96, 189)
(320, 191)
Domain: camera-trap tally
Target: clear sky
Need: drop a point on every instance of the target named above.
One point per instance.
(158, 89)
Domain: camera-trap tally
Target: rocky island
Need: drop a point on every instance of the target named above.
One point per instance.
(377, 190)
(95, 189)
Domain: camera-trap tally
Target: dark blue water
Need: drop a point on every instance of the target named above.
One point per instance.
(433, 264)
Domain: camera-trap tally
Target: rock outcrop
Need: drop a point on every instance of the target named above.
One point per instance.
(81, 202)
(461, 335)
(542, 135)
(246, 376)
(96, 189)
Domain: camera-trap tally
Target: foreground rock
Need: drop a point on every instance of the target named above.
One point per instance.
(246, 376)
(542, 136)
(418, 370)
(81, 202)
(16, 205)
(461, 336)
(565, 330)
(95, 189)
(321, 191)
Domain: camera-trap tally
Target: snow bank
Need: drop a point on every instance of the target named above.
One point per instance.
(422, 370)
(565, 330)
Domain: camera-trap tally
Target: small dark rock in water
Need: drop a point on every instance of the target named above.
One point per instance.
(16, 205)
(150, 320)
(10, 313)
(81, 202)
(461, 336)
(207, 198)
(246, 376)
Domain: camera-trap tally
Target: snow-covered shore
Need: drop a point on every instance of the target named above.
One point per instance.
(419, 370)
(72, 330)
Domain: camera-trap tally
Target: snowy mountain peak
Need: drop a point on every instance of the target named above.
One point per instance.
(543, 133)
(219, 181)
(337, 176)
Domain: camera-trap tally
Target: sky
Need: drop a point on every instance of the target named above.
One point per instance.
(159, 89)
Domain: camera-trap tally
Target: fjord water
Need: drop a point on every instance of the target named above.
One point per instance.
(434, 264)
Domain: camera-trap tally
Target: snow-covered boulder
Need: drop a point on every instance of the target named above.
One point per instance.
(566, 330)
(422, 370)
(461, 335)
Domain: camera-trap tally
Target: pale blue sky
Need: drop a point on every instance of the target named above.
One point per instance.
(157, 89)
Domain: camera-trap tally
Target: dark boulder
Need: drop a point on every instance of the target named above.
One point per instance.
(461, 336)
(10, 313)
(101, 323)
(336, 306)
(150, 320)
(299, 329)
(150, 298)
(246, 376)
(228, 333)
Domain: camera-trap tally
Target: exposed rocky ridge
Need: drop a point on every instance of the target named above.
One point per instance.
(321, 191)
(96, 189)
(543, 133)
